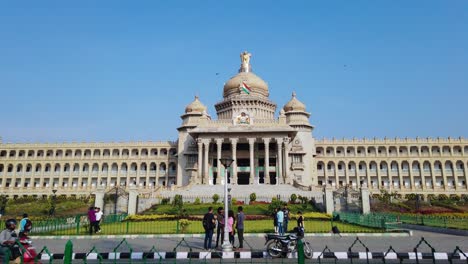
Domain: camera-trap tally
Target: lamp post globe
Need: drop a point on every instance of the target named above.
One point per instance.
(227, 162)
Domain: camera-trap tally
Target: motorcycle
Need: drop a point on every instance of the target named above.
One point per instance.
(26, 250)
(280, 246)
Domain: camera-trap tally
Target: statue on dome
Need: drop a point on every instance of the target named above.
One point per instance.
(245, 61)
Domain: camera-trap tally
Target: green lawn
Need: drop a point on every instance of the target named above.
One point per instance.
(170, 227)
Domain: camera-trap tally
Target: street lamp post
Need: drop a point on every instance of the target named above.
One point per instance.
(227, 247)
(116, 199)
(54, 200)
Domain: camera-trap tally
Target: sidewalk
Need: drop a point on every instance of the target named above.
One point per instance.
(254, 243)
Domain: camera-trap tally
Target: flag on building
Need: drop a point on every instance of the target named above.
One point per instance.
(246, 88)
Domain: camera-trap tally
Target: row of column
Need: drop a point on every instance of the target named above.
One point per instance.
(400, 177)
(203, 156)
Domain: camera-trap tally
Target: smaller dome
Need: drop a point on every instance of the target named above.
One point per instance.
(195, 106)
(294, 105)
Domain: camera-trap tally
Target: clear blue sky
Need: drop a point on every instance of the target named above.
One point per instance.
(125, 70)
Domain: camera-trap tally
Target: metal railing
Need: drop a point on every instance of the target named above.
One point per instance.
(392, 220)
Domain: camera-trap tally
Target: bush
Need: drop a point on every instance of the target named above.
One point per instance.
(197, 201)
(275, 203)
(253, 197)
(431, 197)
(293, 198)
(454, 197)
(184, 223)
(464, 197)
(410, 196)
(443, 197)
(215, 198)
(165, 201)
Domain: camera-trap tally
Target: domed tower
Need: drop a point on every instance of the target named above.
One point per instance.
(303, 143)
(195, 112)
(296, 115)
(245, 93)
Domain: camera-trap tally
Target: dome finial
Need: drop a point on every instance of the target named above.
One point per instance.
(245, 62)
(293, 94)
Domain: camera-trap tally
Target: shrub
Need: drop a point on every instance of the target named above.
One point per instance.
(431, 197)
(464, 197)
(253, 197)
(197, 201)
(165, 201)
(454, 197)
(184, 223)
(275, 203)
(443, 197)
(293, 198)
(410, 196)
(215, 198)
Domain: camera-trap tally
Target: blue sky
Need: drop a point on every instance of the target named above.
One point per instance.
(125, 70)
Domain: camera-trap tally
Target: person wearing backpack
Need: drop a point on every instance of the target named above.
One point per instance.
(25, 224)
(208, 225)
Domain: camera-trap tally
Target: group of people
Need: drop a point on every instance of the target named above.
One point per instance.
(281, 220)
(94, 216)
(217, 221)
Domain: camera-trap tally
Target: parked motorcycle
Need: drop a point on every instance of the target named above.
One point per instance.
(280, 246)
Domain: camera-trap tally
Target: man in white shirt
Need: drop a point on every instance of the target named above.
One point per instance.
(280, 216)
(99, 215)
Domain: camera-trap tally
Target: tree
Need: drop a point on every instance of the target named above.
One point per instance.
(253, 197)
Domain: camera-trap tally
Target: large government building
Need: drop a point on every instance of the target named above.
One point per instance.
(269, 146)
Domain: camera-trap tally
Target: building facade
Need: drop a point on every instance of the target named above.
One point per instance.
(267, 149)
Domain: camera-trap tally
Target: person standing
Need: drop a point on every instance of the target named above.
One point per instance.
(230, 227)
(275, 220)
(300, 220)
(240, 226)
(25, 224)
(208, 225)
(92, 220)
(220, 226)
(280, 216)
(99, 215)
(286, 218)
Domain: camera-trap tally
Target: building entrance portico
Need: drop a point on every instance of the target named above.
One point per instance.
(256, 160)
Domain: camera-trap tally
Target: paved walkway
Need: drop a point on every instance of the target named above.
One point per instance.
(256, 242)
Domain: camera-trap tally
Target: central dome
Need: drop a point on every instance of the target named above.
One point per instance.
(245, 82)
(234, 86)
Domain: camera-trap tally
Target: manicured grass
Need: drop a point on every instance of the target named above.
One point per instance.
(200, 209)
(195, 227)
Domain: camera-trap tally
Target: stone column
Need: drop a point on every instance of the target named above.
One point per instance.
(379, 178)
(328, 199)
(280, 177)
(431, 168)
(411, 174)
(252, 162)
(266, 141)
(206, 179)
(234, 157)
(400, 176)
(368, 177)
(99, 197)
(365, 200)
(132, 200)
(444, 176)
(200, 161)
(466, 175)
(286, 160)
(219, 143)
